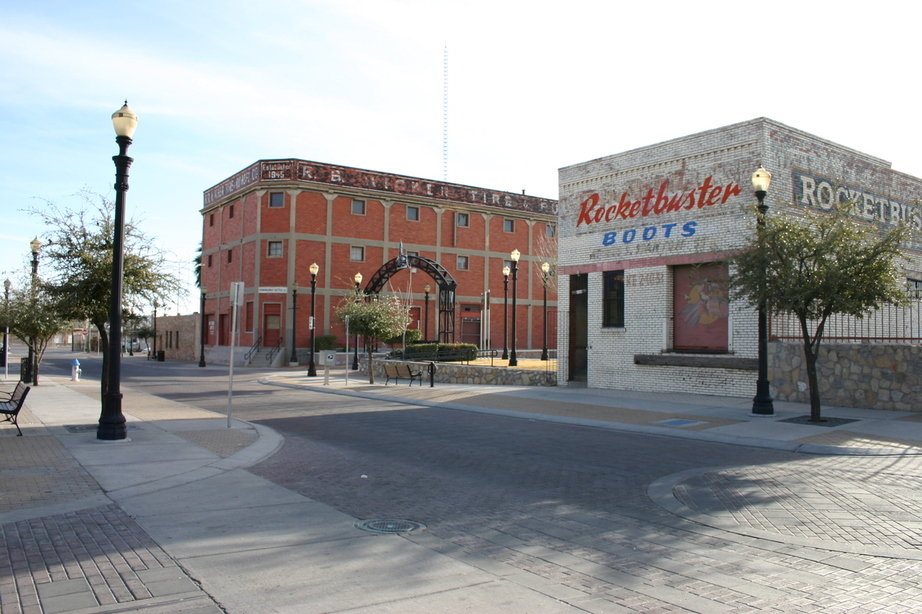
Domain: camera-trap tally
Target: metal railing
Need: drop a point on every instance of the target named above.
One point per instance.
(252, 351)
(271, 355)
(890, 324)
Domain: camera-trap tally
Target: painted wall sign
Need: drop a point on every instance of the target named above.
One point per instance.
(657, 201)
(650, 233)
(817, 192)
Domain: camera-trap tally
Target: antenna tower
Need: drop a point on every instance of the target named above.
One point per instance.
(445, 113)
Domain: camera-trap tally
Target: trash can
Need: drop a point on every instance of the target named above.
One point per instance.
(25, 369)
(161, 355)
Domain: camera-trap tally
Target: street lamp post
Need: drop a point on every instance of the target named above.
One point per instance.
(6, 327)
(202, 338)
(311, 367)
(762, 403)
(506, 272)
(154, 348)
(111, 420)
(35, 245)
(545, 277)
(355, 359)
(515, 255)
(294, 319)
(426, 289)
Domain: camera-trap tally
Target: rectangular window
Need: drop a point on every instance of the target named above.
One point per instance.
(509, 225)
(357, 254)
(413, 213)
(230, 255)
(550, 231)
(211, 219)
(358, 207)
(462, 263)
(276, 199)
(209, 261)
(274, 249)
(914, 288)
(613, 299)
(462, 220)
(230, 211)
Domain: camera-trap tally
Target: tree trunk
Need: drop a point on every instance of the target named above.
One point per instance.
(371, 373)
(810, 357)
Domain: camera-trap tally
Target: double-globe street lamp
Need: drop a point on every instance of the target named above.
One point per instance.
(311, 367)
(762, 403)
(514, 256)
(545, 278)
(111, 420)
(355, 359)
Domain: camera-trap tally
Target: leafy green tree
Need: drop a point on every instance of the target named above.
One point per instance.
(33, 315)
(374, 318)
(818, 265)
(79, 255)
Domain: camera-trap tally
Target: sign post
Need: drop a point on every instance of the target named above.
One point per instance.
(236, 297)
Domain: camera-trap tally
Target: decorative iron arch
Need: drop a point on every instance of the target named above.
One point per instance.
(439, 274)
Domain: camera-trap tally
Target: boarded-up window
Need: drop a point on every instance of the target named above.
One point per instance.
(700, 307)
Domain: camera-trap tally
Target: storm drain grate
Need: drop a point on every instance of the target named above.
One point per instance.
(678, 422)
(390, 526)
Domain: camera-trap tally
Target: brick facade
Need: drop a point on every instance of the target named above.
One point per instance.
(266, 224)
(660, 214)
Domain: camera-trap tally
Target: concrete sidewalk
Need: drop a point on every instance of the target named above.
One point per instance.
(171, 521)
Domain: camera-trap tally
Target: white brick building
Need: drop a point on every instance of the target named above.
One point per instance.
(643, 237)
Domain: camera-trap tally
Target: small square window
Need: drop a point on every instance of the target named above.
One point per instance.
(274, 249)
(462, 263)
(276, 199)
(462, 220)
(358, 207)
(413, 213)
(550, 231)
(509, 225)
(357, 253)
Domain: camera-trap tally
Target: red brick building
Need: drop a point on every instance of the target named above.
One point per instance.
(267, 224)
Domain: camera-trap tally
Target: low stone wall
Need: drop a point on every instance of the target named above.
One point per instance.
(869, 376)
(457, 373)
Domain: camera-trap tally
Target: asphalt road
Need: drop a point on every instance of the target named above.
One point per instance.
(568, 503)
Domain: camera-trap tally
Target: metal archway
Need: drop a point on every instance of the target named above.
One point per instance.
(446, 283)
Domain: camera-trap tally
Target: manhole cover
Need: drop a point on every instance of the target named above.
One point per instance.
(390, 525)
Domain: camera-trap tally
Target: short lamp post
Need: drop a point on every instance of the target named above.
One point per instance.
(506, 271)
(762, 403)
(311, 367)
(545, 278)
(294, 331)
(358, 285)
(111, 420)
(202, 332)
(514, 256)
(427, 288)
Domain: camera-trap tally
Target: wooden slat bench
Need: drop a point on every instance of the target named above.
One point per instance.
(394, 371)
(11, 406)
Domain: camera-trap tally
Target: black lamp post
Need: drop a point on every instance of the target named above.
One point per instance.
(311, 368)
(6, 325)
(506, 272)
(35, 245)
(355, 359)
(515, 255)
(545, 277)
(426, 289)
(112, 421)
(201, 358)
(294, 319)
(762, 403)
(154, 348)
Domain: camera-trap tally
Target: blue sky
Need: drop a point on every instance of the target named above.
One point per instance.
(532, 87)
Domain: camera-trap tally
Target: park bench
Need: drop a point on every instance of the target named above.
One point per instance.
(394, 371)
(11, 406)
